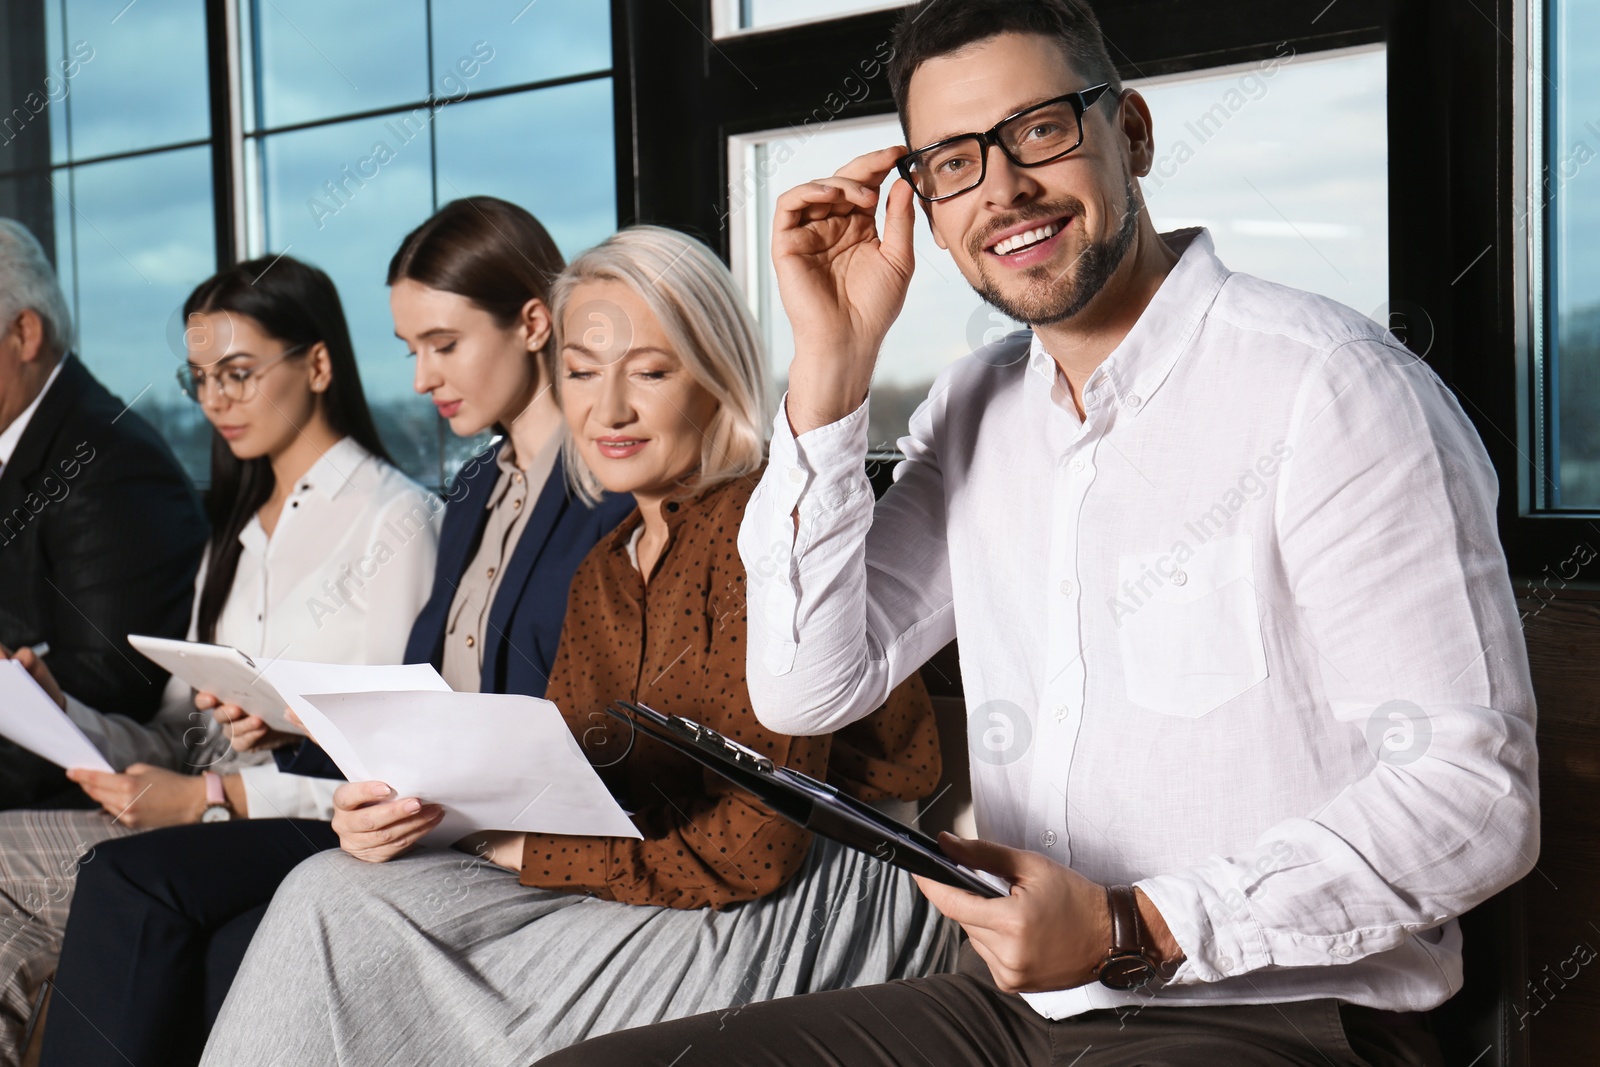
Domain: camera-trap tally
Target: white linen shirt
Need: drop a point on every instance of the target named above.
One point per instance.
(1242, 636)
(344, 574)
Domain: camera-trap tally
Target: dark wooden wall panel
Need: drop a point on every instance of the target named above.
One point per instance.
(1561, 1008)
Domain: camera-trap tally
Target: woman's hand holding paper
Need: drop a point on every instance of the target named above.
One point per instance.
(246, 732)
(375, 825)
(38, 672)
(145, 797)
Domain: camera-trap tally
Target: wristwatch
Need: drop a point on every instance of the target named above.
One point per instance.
(1129, 965)
(217, 809)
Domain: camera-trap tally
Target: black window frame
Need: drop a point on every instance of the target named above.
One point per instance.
(24, 63)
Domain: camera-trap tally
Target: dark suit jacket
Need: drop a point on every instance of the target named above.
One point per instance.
(525, 618)
(100, 536)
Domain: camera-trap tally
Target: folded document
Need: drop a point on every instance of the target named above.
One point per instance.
(31, 719)
(492, 761)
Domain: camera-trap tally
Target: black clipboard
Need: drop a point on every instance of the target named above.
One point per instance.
(813, 805)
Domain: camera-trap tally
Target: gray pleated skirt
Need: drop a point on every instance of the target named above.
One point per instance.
(439, 957)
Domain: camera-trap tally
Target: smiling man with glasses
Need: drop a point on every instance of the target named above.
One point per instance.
(1249, 709)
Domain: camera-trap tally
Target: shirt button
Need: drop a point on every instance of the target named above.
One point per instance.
(517, 478)
(1224, 963)
(1048, 837)
(1078, 465)
(1179, 578)
(471, 641)
(1134, 400)
(1066, 588)
(1061, 711)
(1342, 951)
(796, 475)
(491, 572)
(517, 503)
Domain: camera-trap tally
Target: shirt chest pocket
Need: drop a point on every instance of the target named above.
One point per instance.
(1191, 639)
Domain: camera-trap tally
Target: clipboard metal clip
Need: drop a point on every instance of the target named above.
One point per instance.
(700, 736)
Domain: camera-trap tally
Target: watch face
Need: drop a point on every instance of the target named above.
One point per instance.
(216, 813)
(1126, 972)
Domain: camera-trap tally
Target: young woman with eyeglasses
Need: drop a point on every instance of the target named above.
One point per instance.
(320, 550)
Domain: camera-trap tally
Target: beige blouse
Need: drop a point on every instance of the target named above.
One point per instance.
(510, 503)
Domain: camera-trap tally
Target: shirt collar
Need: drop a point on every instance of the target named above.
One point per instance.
(544, 461)
(13, 433)
(330, 475)
(676, 511)
(1139, 365)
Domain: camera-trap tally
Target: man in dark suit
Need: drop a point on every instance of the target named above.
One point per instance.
(100, 529)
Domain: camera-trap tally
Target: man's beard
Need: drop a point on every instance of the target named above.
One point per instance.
(1057, 296)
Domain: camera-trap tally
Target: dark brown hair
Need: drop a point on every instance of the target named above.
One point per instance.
(488, 250)
(297, 304)
(936, 28)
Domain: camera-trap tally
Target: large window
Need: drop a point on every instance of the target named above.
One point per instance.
(346, 149)
(113, 154)
(349, 123)
(1285, 160)
(1568, 186)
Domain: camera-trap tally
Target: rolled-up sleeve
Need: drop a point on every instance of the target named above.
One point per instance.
(1387, 528)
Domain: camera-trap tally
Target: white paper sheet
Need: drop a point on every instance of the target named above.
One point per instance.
(292, 679)
(492, 761)
(31, 719)
(221, 670)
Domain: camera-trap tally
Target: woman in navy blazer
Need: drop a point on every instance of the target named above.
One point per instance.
(525, 619)
(468, 289)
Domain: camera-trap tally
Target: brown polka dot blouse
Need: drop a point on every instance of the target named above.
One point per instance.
(679, 646)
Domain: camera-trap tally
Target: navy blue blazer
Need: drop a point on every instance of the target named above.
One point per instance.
(531, 603)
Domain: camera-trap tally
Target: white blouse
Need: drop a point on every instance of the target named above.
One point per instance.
(340, 580)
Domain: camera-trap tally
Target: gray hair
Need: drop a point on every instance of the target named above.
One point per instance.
(698, 305)
(28, 283)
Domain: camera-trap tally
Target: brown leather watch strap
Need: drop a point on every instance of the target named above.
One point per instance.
(1126, 933)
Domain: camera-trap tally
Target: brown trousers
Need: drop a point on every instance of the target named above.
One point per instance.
(962, 1020)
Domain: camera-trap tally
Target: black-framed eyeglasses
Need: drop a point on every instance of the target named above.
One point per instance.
(1032, 137)
(233, 381)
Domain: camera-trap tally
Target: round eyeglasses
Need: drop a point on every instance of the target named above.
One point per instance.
(1032, 137)
(233, 381)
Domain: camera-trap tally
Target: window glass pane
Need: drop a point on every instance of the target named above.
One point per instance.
(341, 197)
(123, 96)
(490, 44)
(317, 59)
(1310, 138)
(549, 150)
(143, 239)
(762, 14)
(1572, 186)
(1286, 161)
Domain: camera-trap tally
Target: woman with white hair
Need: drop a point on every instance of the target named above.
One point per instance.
(378, 954)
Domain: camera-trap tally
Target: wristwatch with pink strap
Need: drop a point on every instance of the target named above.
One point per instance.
(217, 809)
